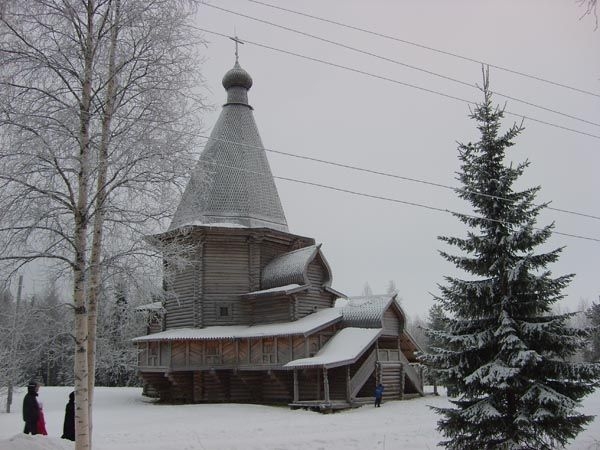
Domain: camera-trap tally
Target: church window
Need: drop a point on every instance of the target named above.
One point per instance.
(268, 351)
(225, 311)
(212, 352)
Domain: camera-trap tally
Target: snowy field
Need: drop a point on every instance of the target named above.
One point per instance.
(123, 419)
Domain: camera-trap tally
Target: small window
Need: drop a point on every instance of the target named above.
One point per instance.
(268, 351)
(212, 352)
(153, 353)
(224, 311)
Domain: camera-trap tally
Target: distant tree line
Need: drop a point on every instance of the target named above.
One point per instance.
(36, 340)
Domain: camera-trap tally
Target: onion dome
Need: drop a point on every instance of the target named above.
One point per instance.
(237, 77)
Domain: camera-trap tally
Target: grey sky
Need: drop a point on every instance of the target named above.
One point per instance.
(314, 110)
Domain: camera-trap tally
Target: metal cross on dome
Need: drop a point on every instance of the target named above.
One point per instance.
(237, 41)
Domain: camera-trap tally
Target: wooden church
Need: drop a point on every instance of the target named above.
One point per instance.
(253, 316)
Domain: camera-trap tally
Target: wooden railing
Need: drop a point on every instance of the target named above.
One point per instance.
(412, 374)
(362, 374)
(386, 355)
(412, 371)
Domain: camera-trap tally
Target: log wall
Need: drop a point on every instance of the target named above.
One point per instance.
(392, 323)
(182, 295)
(226, 275)
(337, 383)
(277, 386)
(270, 310)
(310, 384)
(206, 292)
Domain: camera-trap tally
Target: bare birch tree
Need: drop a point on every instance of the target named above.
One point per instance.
(97, 97)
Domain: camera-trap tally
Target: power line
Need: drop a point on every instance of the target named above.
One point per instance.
(394, 200)
(392, 80)
(425, 47)
(370, 171)
(378, 197)
(385, 174)
(394, 61)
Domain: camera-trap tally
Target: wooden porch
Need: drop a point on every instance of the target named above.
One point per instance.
(330, 389)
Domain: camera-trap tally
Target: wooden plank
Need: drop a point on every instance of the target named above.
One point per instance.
(255, 351)
(391, 323)
(229, 352)
(196, 353)
(178, 353)
(299, 347)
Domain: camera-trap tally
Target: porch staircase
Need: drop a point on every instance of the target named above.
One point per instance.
(412, 376)
(399, 376)
(362, 374)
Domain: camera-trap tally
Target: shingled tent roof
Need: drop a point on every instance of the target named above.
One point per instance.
(232, 184)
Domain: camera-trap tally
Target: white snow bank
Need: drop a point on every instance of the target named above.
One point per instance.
(124, 420)
(28, 442)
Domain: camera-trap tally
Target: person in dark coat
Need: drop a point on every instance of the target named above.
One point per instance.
(378, 395)
(69, 424)
(31, 409)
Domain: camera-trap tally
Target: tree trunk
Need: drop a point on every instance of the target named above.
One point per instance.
(101, 197)
(82, 403)
(13, 346)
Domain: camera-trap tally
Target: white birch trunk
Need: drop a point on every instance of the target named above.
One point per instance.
(82, 404)
(61, 72)
(101, 197)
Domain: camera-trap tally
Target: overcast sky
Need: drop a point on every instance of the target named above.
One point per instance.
(316, 110)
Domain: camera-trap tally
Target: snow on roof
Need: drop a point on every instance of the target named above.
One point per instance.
(366, 311)
(288, 268)
(304, 326)
(343, 348)
(335, 292)
(287, 289)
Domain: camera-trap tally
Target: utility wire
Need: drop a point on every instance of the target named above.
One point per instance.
(394, 200)
(433, 49)
(378, 197)
(392, 80)
(370, 171)
(394, 61)
(385, 174)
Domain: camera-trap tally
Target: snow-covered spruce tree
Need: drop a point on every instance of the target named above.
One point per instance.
(592, 352)
(502, 350)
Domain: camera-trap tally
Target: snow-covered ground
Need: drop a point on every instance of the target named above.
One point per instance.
(123, 419)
